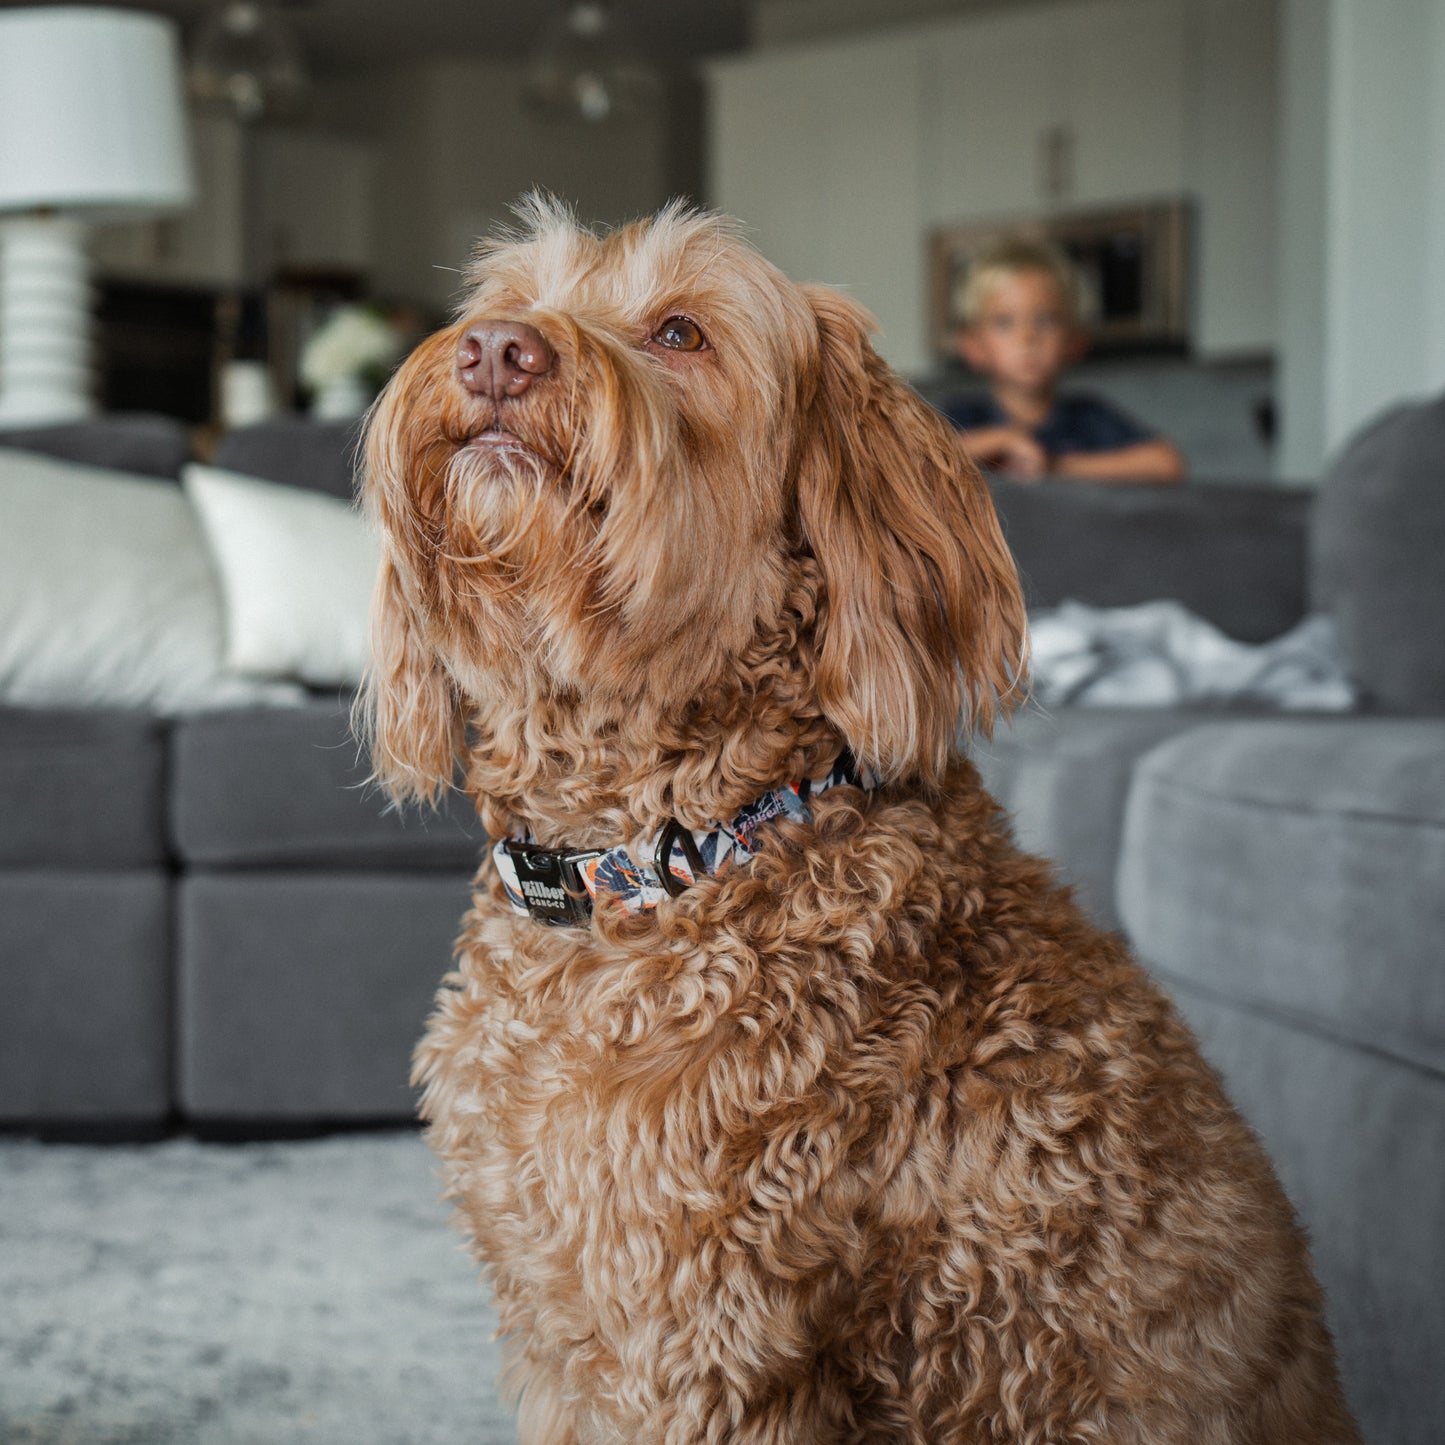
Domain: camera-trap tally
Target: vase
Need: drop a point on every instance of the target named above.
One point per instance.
(340, 399)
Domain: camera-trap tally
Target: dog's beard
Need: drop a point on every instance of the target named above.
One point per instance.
(540, 495)
(515, 519)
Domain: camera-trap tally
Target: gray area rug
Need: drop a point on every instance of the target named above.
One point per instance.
(223, 1294)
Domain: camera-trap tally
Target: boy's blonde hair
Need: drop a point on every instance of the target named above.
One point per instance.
(1015, 256)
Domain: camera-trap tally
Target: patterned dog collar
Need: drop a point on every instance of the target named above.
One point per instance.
(558, 886)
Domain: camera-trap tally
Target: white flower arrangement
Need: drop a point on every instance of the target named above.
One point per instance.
(355, 341)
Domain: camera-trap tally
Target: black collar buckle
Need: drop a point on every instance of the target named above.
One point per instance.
(551, 882)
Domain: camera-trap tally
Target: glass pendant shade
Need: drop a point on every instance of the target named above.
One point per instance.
(246, 59)
(586, 70)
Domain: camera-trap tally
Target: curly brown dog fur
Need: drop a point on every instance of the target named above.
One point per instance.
(874, 1138)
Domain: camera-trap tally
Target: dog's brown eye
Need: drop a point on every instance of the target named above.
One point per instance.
(679, 333)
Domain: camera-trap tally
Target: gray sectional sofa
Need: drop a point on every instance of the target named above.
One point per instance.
(1284, 875)
(212, 923)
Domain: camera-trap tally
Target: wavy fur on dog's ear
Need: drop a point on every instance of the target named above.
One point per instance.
(407, 712)
(923, 625)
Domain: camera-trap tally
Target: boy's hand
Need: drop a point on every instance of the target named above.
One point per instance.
(1007, 449)
(1023, 459)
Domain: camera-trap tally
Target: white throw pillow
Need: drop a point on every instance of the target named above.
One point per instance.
(107, 595)
(296, 570)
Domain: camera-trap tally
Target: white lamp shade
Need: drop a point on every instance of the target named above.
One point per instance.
(91, 112)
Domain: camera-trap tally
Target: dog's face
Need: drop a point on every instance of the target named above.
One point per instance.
(603, 480)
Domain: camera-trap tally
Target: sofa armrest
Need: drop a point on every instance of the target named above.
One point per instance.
(152, 446)
(297, 451)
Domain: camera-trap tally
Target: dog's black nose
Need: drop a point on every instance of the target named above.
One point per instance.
(502, 358)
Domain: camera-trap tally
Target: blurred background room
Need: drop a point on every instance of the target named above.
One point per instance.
(352, 150)
(222, 225)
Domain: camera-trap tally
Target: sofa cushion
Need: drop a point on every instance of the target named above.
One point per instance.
(297, 570)
(107, 594)
(303, 994)
(320, 455)
(1357, 1138)
(1294, 867)
(153, 446)
(1233, 555)
(81, 789)
(262, 787)
(1375, 556)
(85, 979)
(1064, 778)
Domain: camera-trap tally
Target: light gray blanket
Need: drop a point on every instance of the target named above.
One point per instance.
(1161, 655)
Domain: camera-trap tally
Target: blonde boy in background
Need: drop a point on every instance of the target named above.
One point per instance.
(1020, 315)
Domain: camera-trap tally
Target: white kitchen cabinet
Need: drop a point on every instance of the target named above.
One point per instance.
(990, 114)
(1054, 107)
(769, 163)
(1124, 100)
(816, 151)
(844, 156)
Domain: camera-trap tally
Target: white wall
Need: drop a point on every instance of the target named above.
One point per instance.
(1435, 219)
(1362, 229)
(1302, 249)
(394, 175)
(313, 199)
(455, 146)
(267, 198)
(201, 246)
(1233, 167)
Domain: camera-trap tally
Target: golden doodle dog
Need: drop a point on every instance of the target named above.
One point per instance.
(782, 1097)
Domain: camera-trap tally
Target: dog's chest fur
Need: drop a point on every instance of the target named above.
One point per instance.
(810, 1116)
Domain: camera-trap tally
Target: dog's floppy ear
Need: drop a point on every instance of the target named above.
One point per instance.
(923, 624)
(407, 712)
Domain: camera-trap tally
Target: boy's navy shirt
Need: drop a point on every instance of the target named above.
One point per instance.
(1079, 422)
